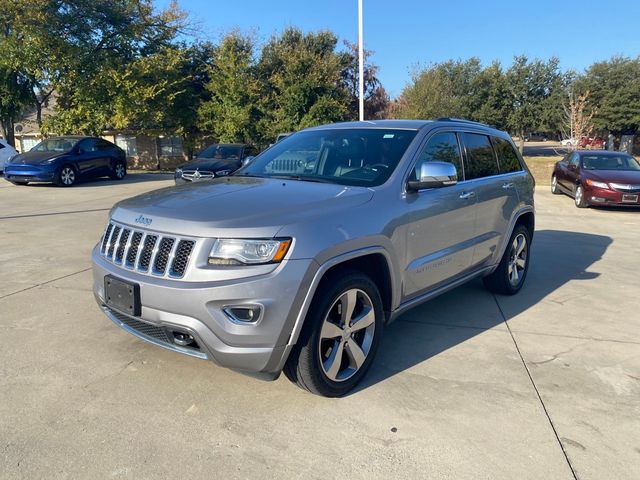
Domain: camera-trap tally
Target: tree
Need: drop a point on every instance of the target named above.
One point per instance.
(376, 99)
(531, 85)
(15, 96)
(440, 90)
(302, 80)
(614, 87)
(578, 117)
(231, 112)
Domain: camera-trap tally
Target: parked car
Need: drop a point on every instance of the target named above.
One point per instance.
(591, 143)
(535, 137)
(295, 262)
(217, 160)
(598, 178)
(568, 142)
(6, 152)
(65, 160)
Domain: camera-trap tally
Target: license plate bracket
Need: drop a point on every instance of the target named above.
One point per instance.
(629, 198)
(122, 296)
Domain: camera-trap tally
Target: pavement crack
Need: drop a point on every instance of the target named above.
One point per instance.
(45, 283)
(535, 388)
(555, 357)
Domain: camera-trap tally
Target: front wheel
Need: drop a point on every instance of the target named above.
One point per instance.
(119, 171)
(554, 186)
(66, 176)
(340, 337)
(508, 277)
(581, 202)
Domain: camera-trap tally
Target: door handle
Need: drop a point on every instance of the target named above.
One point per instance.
(507, 185)
(466, 195)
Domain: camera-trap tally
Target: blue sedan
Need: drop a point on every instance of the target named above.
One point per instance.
(64, 160)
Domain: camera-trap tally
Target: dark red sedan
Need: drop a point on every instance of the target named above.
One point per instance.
(598, 178)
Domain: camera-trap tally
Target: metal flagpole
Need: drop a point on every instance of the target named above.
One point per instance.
(360, 62)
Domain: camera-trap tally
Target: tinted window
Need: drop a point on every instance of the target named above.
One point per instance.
(507, 157)
(104, 145)
(233, 152)
(59, 144)
(481, 160)
(442, 147)
(350, 156)
(574, 160)
(609, 162)
(87, 146)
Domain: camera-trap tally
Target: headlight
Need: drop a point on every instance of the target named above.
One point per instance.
(178, 173)
(593, 183)
(232, 251)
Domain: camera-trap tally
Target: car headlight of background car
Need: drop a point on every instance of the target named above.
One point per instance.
(237, 251)
(593, 183)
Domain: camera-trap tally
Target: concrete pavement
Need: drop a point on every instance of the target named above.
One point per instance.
(545, 384)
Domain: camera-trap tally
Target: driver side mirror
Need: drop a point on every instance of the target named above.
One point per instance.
(434, 175)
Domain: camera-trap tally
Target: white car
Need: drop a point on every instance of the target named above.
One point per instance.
(6, 152)
(568, 142)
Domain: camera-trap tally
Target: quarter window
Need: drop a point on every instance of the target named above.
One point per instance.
(481, 159)
(507, 157)
(442, 147)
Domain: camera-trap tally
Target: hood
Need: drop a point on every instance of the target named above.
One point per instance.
(236, 206)
(210, 164)
(615, 176)
(35, 158)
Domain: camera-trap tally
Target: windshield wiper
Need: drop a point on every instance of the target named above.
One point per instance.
(302, 178)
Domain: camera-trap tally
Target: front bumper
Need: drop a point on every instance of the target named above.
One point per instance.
(602, 196)
(30, 173)
(196, 308)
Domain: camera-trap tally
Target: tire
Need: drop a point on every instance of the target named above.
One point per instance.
(508, 278)
(119, 171)
(579, 199)
(330, 360)
(67, 176)
(554, 186)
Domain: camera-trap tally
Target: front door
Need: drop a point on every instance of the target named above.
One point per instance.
(439, 223)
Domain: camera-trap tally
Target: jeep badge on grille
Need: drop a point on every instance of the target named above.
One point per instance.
(142, 220)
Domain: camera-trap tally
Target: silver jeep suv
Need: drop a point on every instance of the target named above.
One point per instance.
(298, 260)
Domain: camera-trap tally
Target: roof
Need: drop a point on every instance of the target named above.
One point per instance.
(606, 153)
(402, 124)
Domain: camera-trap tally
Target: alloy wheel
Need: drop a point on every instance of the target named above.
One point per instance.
(517, 259)
(67, 176)
(579, 195)
(120, 170)
(347, 335)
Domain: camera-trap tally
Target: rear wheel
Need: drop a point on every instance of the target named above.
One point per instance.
(119, 171)
(66, 176)
(512, 270)
(554, 186)
(340, 337)
(579, 198)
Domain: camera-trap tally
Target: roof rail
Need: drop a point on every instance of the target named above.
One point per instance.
(462, 120)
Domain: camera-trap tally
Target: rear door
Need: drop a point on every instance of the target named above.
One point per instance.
(87, 158)
(497, 197)
(439, 223)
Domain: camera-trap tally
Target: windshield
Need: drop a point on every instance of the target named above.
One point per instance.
(363, 157)
(221, 151)
(609, 162)
(60, 144)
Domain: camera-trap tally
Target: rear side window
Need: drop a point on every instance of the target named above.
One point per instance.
(442, 147)
(481, 159)
(507, 157)
(104, 145)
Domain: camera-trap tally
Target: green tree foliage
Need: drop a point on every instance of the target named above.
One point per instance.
(534, 96)
(231, 112)
(301, 76)
(614, 87)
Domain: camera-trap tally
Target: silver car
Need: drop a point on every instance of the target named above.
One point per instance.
(297, 261)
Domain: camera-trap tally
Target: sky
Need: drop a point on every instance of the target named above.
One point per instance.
(404, 34)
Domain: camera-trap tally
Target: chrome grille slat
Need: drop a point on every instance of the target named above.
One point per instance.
(146, 252)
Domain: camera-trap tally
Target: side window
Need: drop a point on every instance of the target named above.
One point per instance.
(442, 147)
(87, 146)
(507, 157)
(1, 146)
(574, 160)
(481, 159)
(104, 145)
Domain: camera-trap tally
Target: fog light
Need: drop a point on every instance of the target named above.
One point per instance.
(243, 314)
(184, 339)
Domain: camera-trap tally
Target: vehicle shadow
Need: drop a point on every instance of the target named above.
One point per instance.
(456, 316)
(106, 181)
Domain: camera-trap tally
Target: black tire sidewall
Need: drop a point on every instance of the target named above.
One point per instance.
(311, 339)
(59, 181)
(504, 263)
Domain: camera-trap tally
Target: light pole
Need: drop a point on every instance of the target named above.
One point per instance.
(360, 62)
